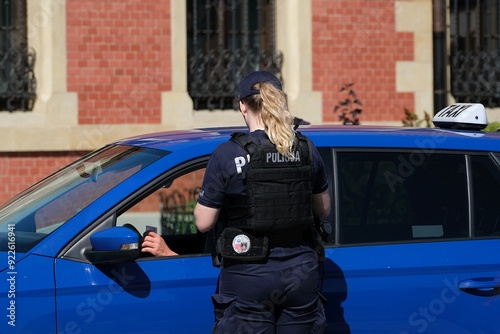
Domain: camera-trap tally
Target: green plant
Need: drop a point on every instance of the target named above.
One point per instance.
(411, 119)
(493, 126)
(350, 107)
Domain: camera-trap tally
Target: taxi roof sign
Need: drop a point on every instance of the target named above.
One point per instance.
(467, 116)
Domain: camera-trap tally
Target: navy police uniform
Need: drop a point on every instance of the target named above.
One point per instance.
(269, 278)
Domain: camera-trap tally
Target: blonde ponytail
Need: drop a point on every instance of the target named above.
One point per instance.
(270, 104)
(277, 119)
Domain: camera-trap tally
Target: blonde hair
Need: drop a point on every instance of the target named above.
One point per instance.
(271, 104)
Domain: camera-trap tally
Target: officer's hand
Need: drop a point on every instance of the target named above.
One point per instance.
(153, 243)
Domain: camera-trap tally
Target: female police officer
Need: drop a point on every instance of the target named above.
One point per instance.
(266, 185)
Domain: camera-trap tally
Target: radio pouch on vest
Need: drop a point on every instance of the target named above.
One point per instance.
(240, 245)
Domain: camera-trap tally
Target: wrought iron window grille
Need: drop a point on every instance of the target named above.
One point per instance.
(227, 39)
(17, 78)
(475, 51)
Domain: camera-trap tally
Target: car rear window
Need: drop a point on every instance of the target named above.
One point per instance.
(401, 196)
(486, 196)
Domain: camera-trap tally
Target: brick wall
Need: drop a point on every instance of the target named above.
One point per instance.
(356, 43)
(118, 59)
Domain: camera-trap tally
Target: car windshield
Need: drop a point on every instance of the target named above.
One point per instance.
(42, 208)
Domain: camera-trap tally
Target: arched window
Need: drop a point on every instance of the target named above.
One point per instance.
(227, 39)
(17, 80)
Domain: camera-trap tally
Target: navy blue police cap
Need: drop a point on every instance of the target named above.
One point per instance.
(245, 87)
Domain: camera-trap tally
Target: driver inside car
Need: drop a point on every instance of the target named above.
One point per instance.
(154, 244)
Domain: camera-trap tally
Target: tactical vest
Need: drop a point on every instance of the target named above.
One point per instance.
(279, 188)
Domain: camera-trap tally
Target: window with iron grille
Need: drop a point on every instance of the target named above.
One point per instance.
(228, 39)
(475, 51)
(17, 80)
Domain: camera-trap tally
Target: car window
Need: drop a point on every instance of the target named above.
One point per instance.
(169, 212)
(42, 208)
(486, 196)
(401, 196)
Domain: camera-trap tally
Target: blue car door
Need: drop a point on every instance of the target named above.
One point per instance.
(152, 295)
(412, 288)
(28, 300)
(149, 294)
(403, 256)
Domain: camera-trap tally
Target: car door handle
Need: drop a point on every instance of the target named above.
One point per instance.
(481, 286)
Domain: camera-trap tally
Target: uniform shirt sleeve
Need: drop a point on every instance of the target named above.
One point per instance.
(223, 175)
(212, 189)
(320, 179)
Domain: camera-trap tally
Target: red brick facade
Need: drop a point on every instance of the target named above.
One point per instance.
(119, 62)
(356, 43)
(118, 59)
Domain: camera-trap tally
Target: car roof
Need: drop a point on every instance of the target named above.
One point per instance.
(334, 136)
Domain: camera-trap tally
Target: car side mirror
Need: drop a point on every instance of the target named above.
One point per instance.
(114, 245)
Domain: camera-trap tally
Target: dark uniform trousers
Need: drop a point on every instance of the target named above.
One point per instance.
(276, 295)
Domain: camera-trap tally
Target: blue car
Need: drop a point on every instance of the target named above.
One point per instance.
(413, 242)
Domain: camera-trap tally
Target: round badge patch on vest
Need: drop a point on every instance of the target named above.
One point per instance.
(241, 244)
